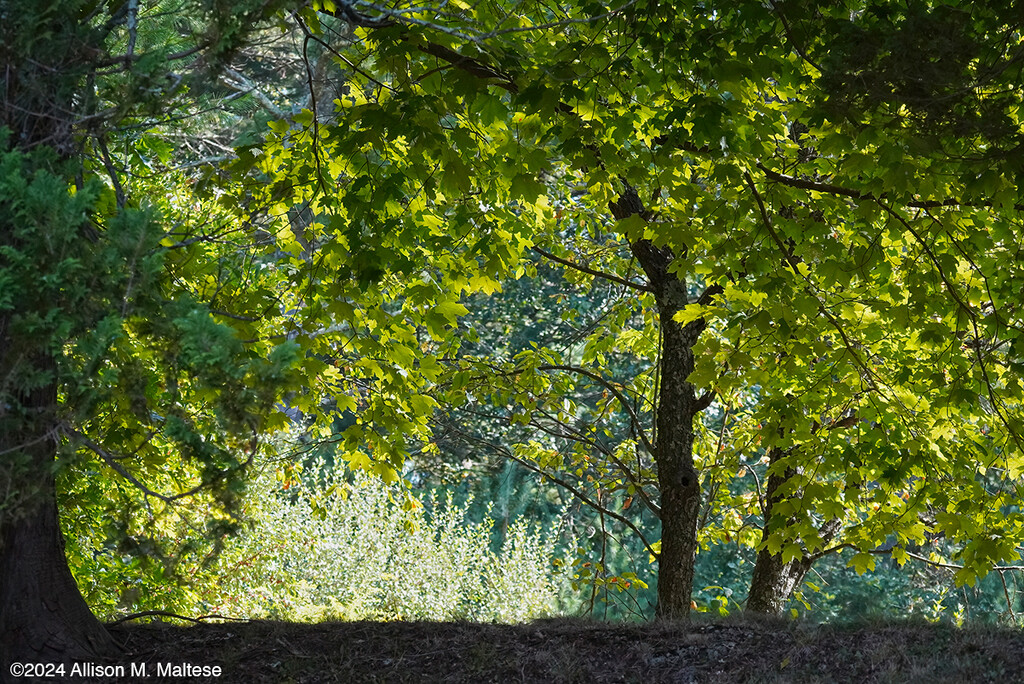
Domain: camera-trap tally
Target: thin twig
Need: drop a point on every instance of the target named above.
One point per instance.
(500, 449)
(589, 271)
(166, 613)
(789, 34)
(615, 392)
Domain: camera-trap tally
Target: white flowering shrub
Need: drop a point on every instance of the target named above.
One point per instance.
(364, 550)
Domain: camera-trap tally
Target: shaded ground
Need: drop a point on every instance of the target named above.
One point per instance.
(744, 650)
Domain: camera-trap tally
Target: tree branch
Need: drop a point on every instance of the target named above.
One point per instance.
(972, 316)
(111, 461)
(565, 431)
(793, 263)
(240, 84)
(787, 29)
(615, 392)
(565, 485)
(470, 66)
(830, 189)
(165, 613)
(589, 271)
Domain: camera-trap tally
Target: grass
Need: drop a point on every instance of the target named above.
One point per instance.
(744, 649)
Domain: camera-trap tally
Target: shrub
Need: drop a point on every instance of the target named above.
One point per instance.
(364, 550)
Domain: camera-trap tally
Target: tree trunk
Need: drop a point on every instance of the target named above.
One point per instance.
(43, 617)
(677, 406)
(773, 581)
(677, 477)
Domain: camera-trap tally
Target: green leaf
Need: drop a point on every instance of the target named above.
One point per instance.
(862, 562)
(451, 311)
(692, 312)
(524, 186)
(792, 552)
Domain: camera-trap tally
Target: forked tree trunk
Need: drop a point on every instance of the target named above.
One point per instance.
(43, 617)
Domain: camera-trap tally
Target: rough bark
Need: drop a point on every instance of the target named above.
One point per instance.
(774, 581)
(43, 617)
(677, 477)
(677, 407)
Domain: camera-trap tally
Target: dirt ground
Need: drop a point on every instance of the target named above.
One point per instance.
(729, 650)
